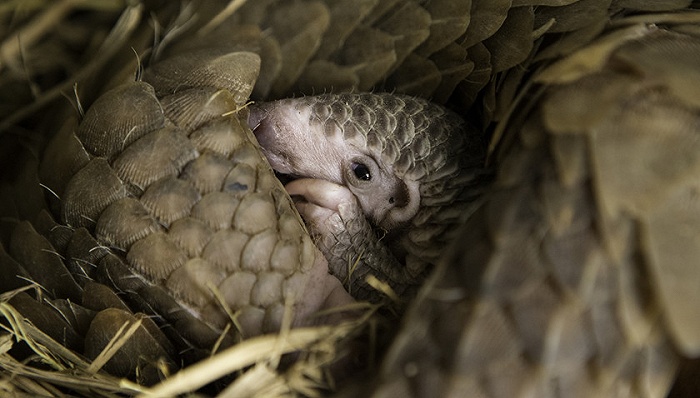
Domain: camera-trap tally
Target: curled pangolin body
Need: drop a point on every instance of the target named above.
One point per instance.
(192, 224)
(175, 186)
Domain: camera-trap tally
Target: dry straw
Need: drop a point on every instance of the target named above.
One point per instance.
(52, 368)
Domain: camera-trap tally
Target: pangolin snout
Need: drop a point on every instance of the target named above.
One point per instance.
(266, 128)
(292, 144)
(257, 121)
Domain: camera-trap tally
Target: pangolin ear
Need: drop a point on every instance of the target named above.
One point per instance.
(406, 202)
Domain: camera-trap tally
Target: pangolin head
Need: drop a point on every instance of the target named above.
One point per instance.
(405, 159)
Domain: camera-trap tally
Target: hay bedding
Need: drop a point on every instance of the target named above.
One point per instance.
(53, 370)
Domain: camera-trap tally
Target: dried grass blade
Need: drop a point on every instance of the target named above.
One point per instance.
(120, 338)
(246, 353)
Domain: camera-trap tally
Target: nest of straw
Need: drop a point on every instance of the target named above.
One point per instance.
(52, 370)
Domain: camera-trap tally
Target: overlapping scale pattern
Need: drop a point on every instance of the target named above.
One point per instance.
(186, 233)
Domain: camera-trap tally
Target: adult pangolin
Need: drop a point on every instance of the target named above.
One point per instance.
(162, 194)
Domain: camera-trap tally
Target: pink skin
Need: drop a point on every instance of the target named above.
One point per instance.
(323, 200)
(324, 292)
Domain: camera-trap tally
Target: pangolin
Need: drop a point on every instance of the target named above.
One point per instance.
(573, 277)
(163, 195)
(384, 179)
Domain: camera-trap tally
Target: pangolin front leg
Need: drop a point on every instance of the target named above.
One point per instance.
(376, 177)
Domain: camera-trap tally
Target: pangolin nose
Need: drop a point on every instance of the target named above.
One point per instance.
(263, 129)
(256, 116)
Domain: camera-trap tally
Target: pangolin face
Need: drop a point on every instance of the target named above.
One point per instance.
(298, 144)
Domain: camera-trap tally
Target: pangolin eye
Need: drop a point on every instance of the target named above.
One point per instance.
(361, 171)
